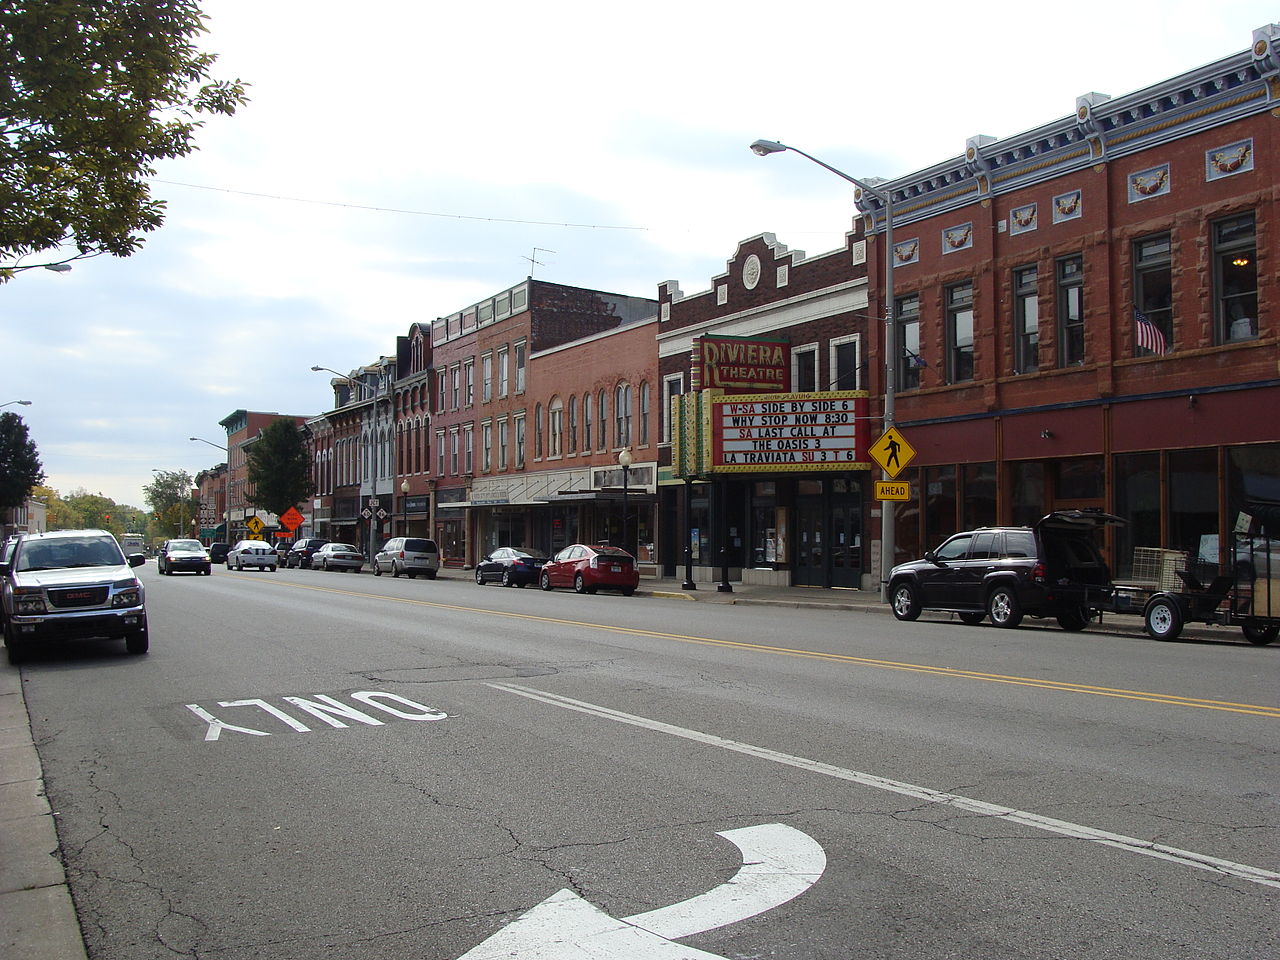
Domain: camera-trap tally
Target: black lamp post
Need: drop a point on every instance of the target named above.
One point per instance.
(624, 460)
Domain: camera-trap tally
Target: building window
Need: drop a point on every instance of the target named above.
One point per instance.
(844, 363)
(520, 355)
(1071, 311)
(454, 441)
(907, 311)
(573, 425)
(1235, 278)
(671, 387)
(804, 369)
(440, 453)
(486, 378)
(555, 428)
(469, 450)
(519, 443)
(486, 446)
(1026, 320)
(442, 391)
(586, 423)
(503, 442)
(1152, 296)
(960, 333)
(622, 415)
(603, 410)
(537, 432)
(644, 413)
(469, 382)
(502, 372)
(455, 386)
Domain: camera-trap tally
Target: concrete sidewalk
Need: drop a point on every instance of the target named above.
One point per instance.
(37, 918)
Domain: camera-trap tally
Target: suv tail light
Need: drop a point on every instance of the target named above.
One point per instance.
(401, 554)
(1037, 573)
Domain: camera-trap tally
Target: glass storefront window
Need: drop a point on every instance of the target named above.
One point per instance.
(1026, 483)
(1080, 478)
(1137, 499)
(940, 504)
(1253, 486)
(979, 507)
(1193, 498)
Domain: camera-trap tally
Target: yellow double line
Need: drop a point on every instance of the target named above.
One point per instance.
(1061, 686)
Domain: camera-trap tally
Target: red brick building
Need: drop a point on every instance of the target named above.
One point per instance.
(1095, 301)
(243, 427)
(491, 418)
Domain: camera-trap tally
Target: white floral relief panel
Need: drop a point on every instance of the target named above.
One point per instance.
(908, 251)
(1023, 219)
(1229, 160)
(1068, 206)
(959, 237)
(1146, 184)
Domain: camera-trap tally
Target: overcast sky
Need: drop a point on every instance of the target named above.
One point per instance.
(401, 160)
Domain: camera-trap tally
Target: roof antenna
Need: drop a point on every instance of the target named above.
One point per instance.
(534, 261)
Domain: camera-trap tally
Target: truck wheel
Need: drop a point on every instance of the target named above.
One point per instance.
(1258, 633)
(906, 605)
(972, 619)
(1003, 607)
(137, 642)
(1074, 620)
(1163, 619)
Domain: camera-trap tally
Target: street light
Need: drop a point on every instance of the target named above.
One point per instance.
(226, 484)
(404, 499)
(763, 148)
(22, 403)
(347, 377)
(624, 461)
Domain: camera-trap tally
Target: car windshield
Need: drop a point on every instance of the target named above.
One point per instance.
(185, 545)
(69, 552)
(530, 552)
(341, 546)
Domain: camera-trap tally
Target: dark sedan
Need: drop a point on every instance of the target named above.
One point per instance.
(511, 566)
(178, 556)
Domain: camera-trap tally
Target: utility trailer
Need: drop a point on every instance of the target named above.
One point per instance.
(1246, 594)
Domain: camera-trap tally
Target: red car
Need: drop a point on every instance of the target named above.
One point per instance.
(588, 568)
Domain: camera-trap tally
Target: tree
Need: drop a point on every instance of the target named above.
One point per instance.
(20, 467)
(170, 496)
(279, 468)
(59, 514)
(92, 93)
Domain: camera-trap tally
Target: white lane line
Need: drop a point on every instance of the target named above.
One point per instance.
(1146, 848)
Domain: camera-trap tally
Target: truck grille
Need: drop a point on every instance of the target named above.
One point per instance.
(78, 597)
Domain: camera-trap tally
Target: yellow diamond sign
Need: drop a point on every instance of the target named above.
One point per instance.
(892, 452)
(254, 524)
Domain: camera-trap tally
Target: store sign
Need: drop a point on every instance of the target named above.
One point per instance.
(739, 365)
(790, 432)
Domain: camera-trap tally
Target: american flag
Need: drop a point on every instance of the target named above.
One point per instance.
(1148, 334)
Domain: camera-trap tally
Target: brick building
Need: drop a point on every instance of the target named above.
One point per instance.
(778, 519)
(1095, 302)
(490, 418)
(243, 427)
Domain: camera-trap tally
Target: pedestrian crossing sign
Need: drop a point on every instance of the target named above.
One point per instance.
(892, 452)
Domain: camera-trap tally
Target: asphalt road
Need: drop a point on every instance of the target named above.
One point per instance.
(323, 765)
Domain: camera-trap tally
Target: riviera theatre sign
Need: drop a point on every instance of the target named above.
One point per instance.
(788, 432)
(740, 365)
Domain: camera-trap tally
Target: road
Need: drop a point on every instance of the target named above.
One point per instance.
(315, 764)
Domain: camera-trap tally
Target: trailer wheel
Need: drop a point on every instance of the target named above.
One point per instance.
(1259, 633)
(1163, 619)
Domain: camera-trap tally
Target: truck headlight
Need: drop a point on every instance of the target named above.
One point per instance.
(128, 593)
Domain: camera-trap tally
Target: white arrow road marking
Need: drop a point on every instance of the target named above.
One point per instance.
(778, 864)
(1065, 828)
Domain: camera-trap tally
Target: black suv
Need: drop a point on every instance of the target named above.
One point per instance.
(1053, 569)
(302, 550)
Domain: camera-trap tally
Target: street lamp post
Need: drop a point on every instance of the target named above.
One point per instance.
(404, 503)
(350, 379)
(21, 403)
(763, 148)
(624, 461)
(226, 484)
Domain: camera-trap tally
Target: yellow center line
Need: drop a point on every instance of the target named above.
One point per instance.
(1061, 686)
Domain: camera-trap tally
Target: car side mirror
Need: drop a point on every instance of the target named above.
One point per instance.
(4, 568)
(137, 559)
(932, 557)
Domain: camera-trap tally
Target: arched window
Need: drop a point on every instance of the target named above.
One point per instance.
(555, 427)
(644, 413)
(586, 423)
(603, 440)
(622, 415)
(573, 425)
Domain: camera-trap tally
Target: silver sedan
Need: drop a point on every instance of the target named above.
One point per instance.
(252, 553)
(337, 556)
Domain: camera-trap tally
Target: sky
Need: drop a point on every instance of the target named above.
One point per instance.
(403, 160)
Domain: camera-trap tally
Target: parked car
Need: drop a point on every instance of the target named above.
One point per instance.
(1053, 569)
(252, 553)
(408, 555)
(176, 556)
(587, 568)
(301, 552)
(218, 552)
(282, 552)
(337, 556)
(70, 584)
(511, 566)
